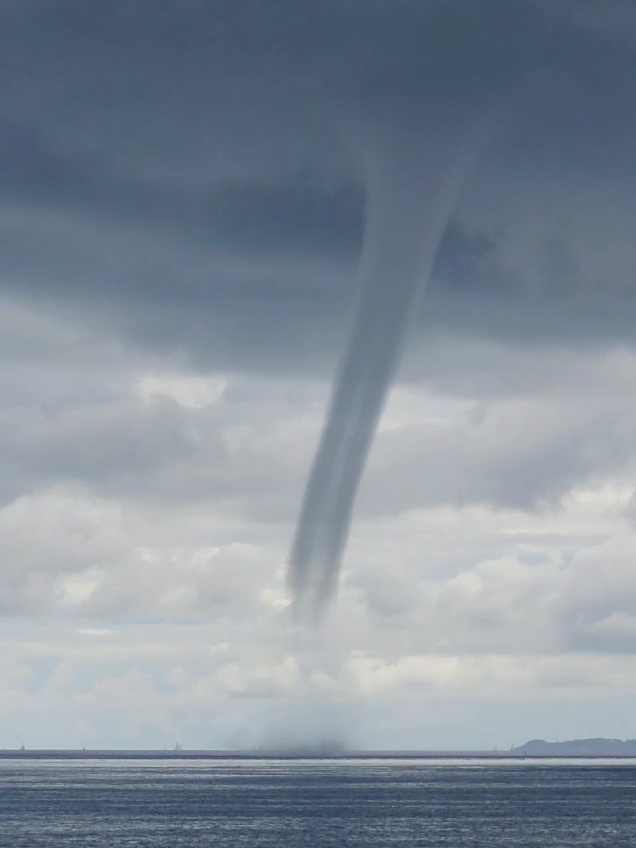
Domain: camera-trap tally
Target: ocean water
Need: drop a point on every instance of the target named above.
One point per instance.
(110, 803)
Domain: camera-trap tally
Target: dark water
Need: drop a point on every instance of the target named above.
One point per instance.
(343, 803)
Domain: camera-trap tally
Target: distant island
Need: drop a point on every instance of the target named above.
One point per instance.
(577, 748)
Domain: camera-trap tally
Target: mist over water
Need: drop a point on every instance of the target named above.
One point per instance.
(318, 708)
(412, 179)
(312, 724)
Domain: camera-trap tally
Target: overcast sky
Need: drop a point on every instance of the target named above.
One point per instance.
(181, 216)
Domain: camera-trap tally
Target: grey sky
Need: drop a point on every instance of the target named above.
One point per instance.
(181, 215)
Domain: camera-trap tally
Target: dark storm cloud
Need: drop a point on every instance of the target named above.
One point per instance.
(616, 19)
(142, 115)
(179, 132)
(190, 174)
(293, 215)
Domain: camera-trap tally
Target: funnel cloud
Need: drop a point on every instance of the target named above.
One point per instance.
(412, 179)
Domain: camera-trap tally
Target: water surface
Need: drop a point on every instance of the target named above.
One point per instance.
(111, 803)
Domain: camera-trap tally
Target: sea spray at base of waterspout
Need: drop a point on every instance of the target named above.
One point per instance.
(412, 181)
(319, 709)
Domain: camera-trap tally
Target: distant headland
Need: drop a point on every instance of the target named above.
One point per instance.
(597, 747)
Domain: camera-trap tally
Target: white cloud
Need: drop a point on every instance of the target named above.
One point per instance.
(193, 392)
(155, 619)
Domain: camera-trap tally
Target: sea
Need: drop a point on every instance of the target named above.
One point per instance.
(177, 801)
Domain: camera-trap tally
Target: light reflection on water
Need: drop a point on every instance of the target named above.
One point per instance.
(173, 802)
